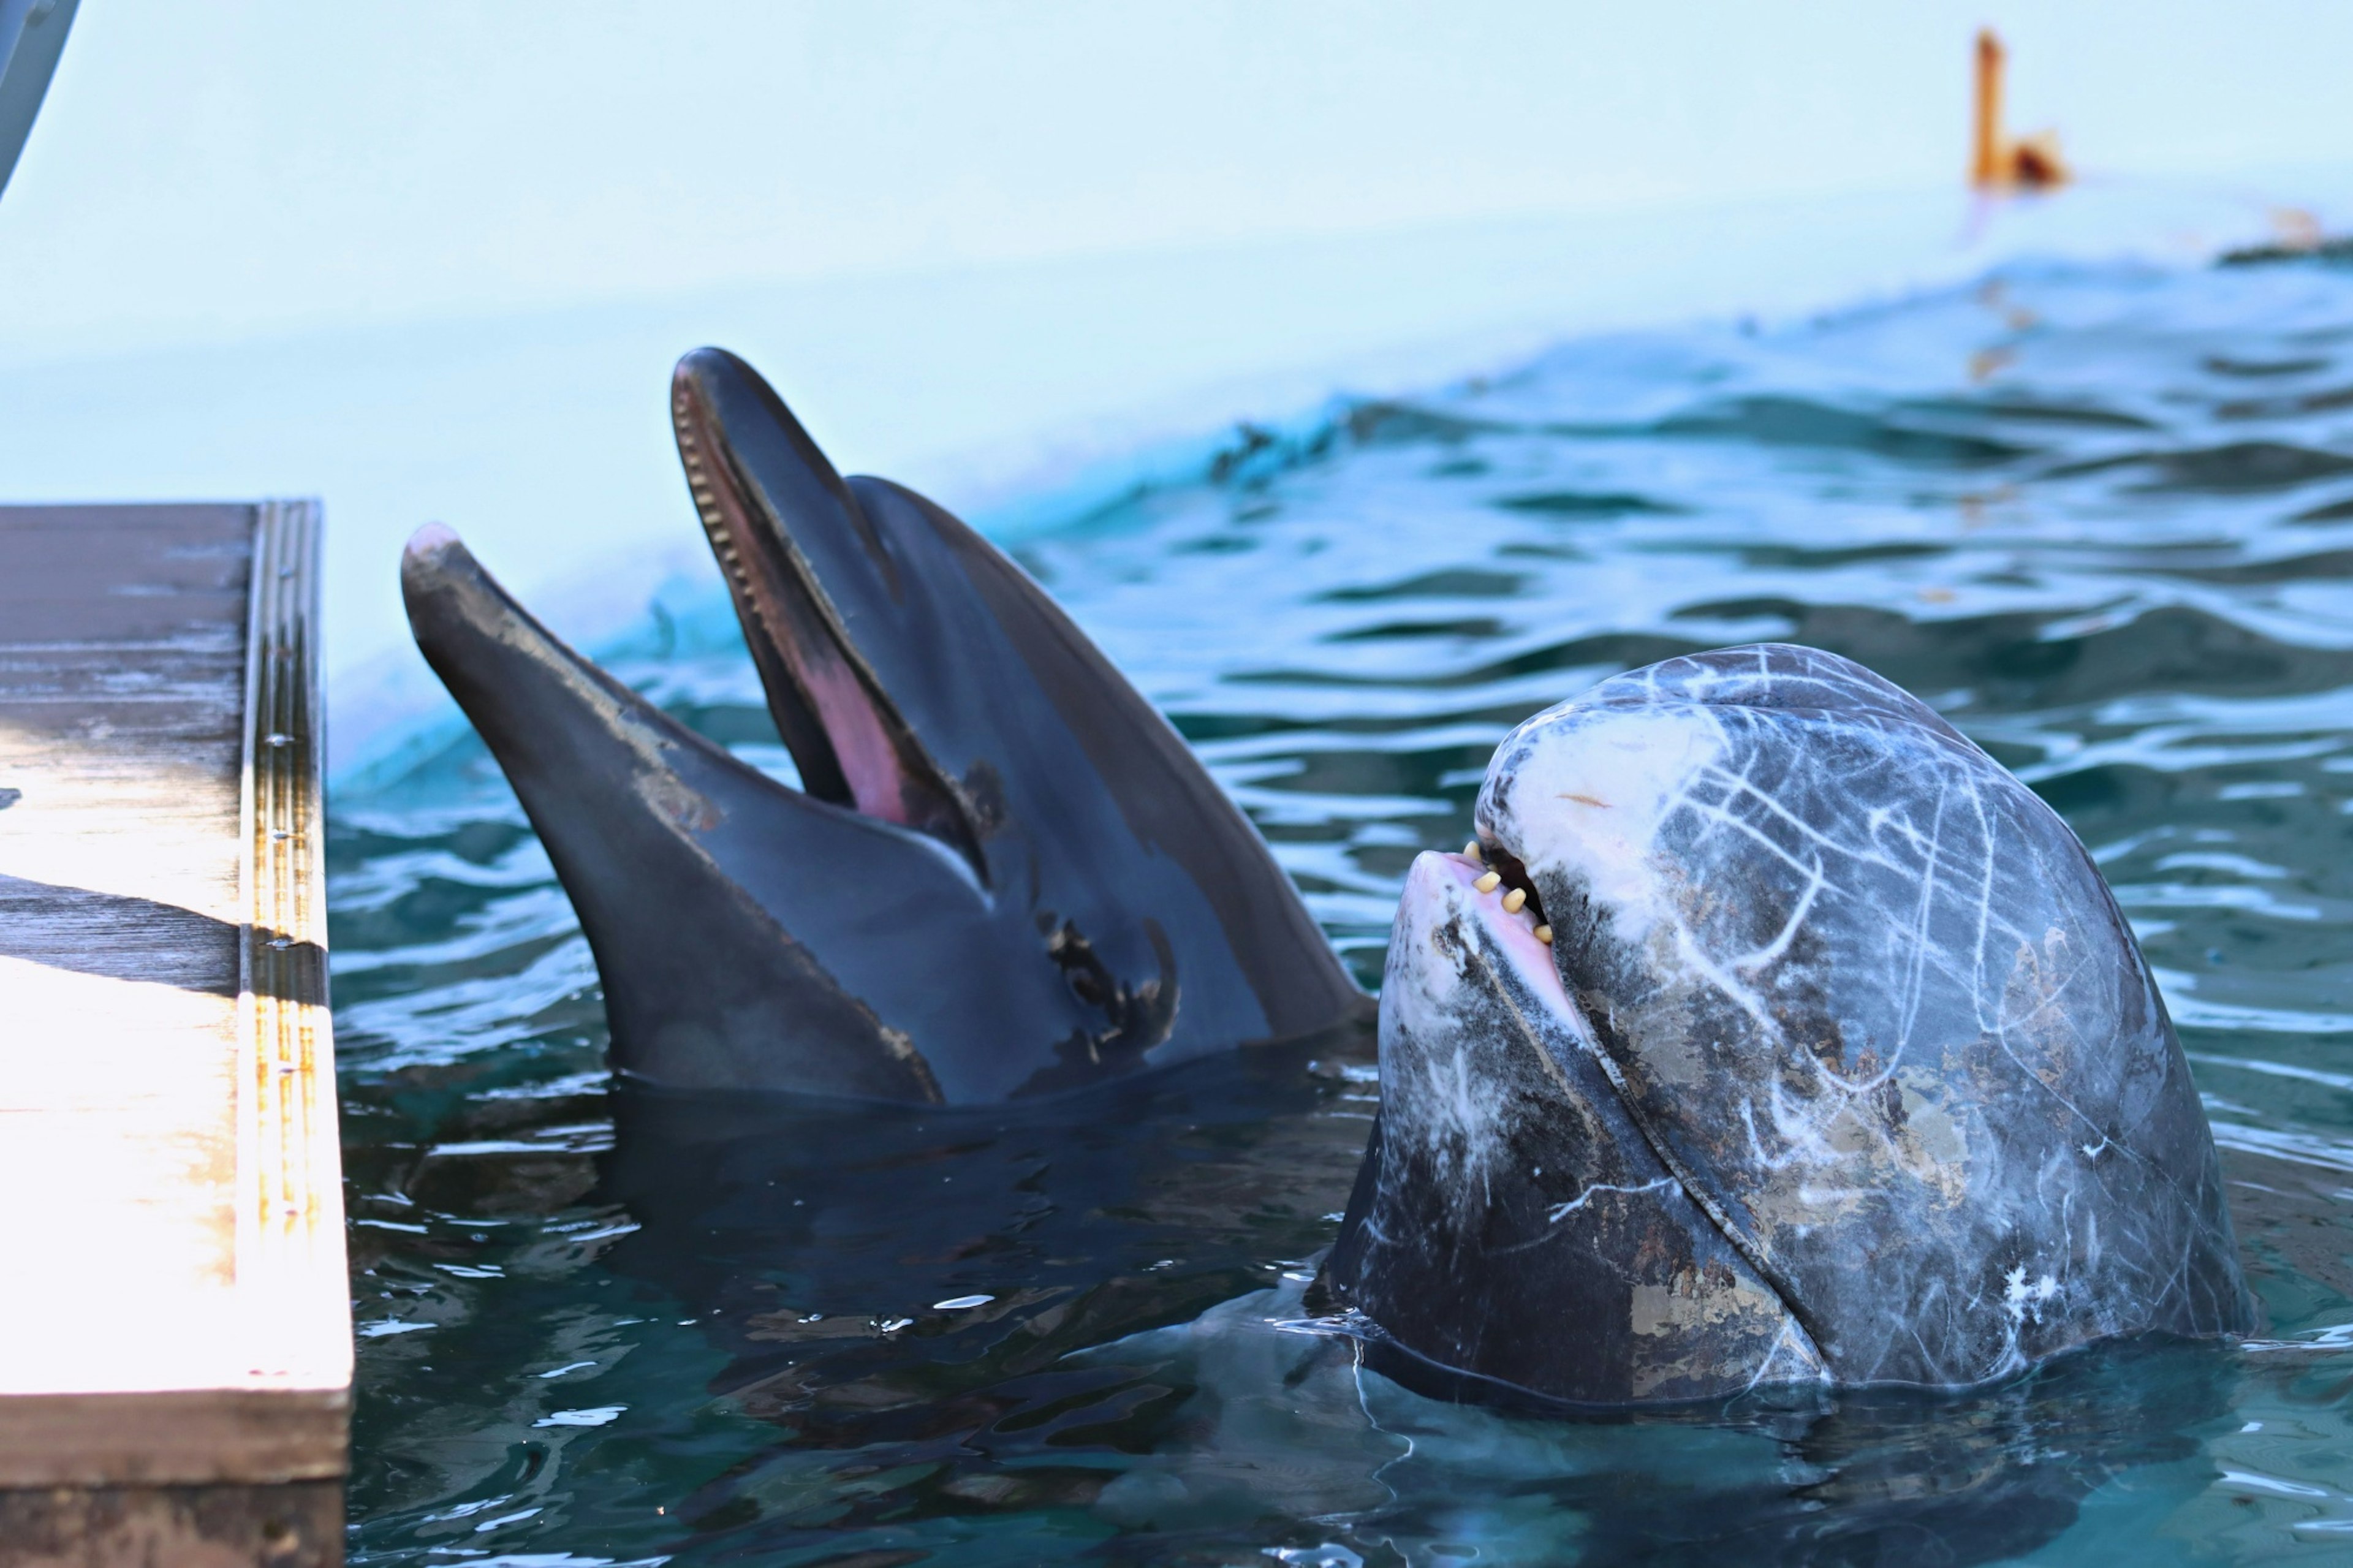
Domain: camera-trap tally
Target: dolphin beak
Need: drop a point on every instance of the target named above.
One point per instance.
(785, 527)
(700, 883)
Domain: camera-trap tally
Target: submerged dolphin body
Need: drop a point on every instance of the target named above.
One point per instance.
(1841, 1065)
(1004, 874)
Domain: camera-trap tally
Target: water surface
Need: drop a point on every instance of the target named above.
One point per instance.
(2101, 517)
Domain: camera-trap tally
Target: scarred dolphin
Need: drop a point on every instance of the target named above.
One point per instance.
(1771, 1032)
(1004, 874)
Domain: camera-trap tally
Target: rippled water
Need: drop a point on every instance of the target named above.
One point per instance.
(2103, 519)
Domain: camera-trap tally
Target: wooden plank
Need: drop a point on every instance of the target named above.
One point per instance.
(177, 1313)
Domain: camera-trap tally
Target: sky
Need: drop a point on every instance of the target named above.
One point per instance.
(430, 261)
(256, 166)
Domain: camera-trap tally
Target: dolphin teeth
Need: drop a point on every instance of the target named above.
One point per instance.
(1490, 882)
(1470, 852)
(1543, 935)
(1513, 899)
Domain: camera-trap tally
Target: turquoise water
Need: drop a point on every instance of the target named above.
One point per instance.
(2102, 518)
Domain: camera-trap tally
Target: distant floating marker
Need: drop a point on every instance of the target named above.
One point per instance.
(1996, 162)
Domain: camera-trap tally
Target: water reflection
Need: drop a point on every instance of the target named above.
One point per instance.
(1794, 1477)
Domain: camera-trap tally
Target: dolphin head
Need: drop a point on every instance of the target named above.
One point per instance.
(1004, 873)
(1772, 1032)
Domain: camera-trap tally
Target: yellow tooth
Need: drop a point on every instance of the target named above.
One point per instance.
(1543, 935)
(1471, 851)
(1513, 899)
(1490, 882)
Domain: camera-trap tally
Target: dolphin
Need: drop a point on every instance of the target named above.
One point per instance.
(1004, 874)
(1770, 1032)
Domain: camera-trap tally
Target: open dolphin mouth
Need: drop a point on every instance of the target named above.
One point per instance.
(852, 747)
(1498, 871)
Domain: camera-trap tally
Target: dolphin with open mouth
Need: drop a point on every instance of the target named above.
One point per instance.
(1004, 874)
(1771, 1032)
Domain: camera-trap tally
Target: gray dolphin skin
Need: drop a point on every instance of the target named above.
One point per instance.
(1841, 1065)
(1005, 874)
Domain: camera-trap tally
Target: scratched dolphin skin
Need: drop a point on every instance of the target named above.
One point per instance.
(1004, 874)
(1840, 1064)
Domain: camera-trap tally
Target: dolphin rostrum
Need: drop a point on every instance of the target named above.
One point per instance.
(1004, 874)
(1771, 1032)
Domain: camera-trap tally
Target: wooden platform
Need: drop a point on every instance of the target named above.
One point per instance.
(174, 1330)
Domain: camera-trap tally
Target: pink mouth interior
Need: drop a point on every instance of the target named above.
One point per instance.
(1515, 934)
(869, 761)
(864, 749)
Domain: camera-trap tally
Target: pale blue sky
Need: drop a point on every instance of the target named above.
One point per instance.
(206, 171)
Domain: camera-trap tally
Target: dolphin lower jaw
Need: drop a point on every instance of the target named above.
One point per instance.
(1513, 1223)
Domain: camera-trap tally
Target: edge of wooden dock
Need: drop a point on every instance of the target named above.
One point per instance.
(268, 1401)
(289, 1244)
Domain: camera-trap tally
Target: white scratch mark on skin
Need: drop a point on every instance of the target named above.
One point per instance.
(1719, 813)
(1798, 825)
(1772, 950)
(1789, 1351)
(1562, 1211)
(1687, 948)
(1914, 980)
(1985, 909)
